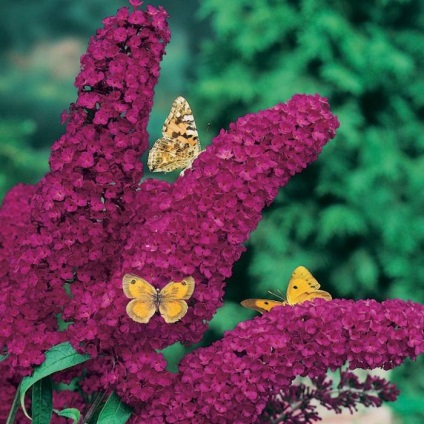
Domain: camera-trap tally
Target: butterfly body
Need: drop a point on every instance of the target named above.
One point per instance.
(179, 144)
(302, 287)
(170, 301)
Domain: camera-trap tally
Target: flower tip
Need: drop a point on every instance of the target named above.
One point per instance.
(135, 3)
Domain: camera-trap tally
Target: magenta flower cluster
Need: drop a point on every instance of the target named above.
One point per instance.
(298, 403)
(66, 243)
(74, 220)
(232, 381)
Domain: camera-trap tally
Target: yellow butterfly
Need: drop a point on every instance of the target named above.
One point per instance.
(179, 144)
(170, 301)
(302, 287)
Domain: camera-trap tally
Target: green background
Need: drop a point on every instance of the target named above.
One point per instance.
(354, 218)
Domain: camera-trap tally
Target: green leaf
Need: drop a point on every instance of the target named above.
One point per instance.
(114, 411)
(14, 408)
(42, 401)
(71, 413)
(57, 359)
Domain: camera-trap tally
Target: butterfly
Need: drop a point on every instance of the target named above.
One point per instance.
(170, 301)
(302, 287)
(179, 144)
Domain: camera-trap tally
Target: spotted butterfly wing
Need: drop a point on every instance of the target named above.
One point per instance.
(179, 144)
(173, 296)
(261, 305)
(144, 295)
(303, 286)
(146, 300)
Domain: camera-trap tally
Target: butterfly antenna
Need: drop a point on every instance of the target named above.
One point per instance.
(278, 294)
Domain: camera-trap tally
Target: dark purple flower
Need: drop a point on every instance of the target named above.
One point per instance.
(298, 403)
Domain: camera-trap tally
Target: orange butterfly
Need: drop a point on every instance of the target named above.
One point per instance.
(302, 287)
(170, 301)
(179, 144)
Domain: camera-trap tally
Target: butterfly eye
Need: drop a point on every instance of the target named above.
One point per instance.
(133, 281)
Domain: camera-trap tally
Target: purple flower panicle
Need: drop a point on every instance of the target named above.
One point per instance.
(197, 225)
(75, 218)
(234, 379)
(298, 403)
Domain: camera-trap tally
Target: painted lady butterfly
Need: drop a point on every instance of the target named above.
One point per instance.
(179, 144)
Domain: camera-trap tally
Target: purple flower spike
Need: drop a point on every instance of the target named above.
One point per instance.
(73, 222)
(235, 378)
(197, 225)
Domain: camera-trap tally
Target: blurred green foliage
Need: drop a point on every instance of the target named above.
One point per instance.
(19, 161)
(354, 218)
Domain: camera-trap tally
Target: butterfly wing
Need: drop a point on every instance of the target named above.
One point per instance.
(261, 305)
(303, 286)
(179, 144)
(320, 294)
(173, 296)
(143, 306)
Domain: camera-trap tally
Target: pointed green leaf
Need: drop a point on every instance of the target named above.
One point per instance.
(71, 413)
(57, 359)
(115, 411)
(42, 401)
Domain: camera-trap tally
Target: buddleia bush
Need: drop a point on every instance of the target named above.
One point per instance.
(355, 217)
